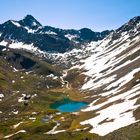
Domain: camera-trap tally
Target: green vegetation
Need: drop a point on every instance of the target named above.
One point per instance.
(28, 94)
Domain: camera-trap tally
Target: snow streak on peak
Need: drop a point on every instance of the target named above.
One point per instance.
(16, 23)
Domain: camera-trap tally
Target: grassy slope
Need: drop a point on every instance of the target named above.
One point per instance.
(35, 83)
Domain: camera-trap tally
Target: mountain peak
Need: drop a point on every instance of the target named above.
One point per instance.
(29, 21)
(29, 17)
(130, 25)
(134, 20)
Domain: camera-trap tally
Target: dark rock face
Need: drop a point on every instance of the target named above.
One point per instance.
(88, 35)
(46, 38)
(129, 27)
(19, 61)
(30, 22)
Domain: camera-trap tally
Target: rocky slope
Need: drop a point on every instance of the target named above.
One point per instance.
(112, 75)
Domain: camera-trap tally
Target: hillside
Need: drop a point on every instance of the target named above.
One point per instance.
(41, 65)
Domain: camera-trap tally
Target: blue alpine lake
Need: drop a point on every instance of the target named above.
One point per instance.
(67, 105)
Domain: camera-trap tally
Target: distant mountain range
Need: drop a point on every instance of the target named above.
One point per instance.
(30, 31)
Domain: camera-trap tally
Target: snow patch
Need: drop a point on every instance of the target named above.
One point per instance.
(16, 23)
(50, 33)
(20, 131)
(3, 43)
(16, 125)
(70, 37)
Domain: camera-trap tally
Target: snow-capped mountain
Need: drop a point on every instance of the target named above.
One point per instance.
(104, 67)
(30, 32)
(111, 68)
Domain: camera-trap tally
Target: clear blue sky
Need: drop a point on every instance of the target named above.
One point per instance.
(95, 14)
